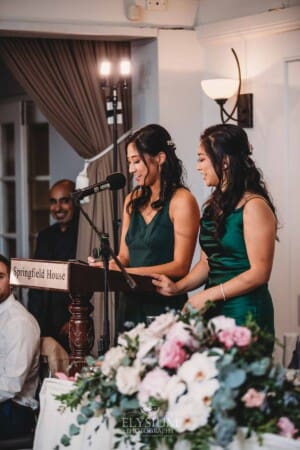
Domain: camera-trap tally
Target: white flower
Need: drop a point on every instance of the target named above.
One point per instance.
(187, 414)
(128, 380)
(221, 323)
(161, 324)
(147, 343)
(199, 367)
(112, 359)
(153, 385)
(132, 334)
(182, 333)
(204, 391)
(175, 388)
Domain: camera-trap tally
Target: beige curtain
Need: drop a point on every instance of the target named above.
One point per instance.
(61, 76)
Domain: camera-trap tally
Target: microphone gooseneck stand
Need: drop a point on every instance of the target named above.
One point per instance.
(105, 251)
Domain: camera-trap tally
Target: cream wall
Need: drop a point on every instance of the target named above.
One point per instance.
(269, 52)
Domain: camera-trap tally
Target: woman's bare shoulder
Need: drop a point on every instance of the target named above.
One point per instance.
(185, 200)
(182, 193)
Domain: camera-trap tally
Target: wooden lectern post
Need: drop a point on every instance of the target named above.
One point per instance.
(80, 281)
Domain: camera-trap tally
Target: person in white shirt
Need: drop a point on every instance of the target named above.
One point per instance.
(19, 361)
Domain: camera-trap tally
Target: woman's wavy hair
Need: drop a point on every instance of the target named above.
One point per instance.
(151, 140)
(228, 144)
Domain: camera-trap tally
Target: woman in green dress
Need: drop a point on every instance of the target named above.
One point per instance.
(237, 233)
(160, 222)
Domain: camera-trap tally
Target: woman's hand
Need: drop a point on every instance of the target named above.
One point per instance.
(164, 285)
(113, 265)
(94, 262)
(197, 301)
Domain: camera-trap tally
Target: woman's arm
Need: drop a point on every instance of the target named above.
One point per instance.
(191, 281)
(185, 215)
(259, 233)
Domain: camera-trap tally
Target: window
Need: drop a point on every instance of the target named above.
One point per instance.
(24, 177)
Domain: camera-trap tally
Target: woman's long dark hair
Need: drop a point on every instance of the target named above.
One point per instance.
(228, 144)
(151, 140)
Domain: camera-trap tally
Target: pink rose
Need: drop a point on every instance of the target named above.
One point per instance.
(253, 398)
(226, 338)
(287, 428)
(242, 336)
(172, 355)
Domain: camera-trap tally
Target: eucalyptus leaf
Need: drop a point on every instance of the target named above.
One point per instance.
(236, 378)
(129, 403)
(81, 420)
(74, 430)
(65, 440)
(259, 367)
(86, 411)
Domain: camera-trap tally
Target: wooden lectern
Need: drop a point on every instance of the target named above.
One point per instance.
(80, 281)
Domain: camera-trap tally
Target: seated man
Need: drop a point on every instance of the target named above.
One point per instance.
(56, 243)
(19, 361)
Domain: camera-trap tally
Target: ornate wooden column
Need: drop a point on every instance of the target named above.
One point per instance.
(81, 334)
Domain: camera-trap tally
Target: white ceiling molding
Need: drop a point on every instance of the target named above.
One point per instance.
(270, 22)
(69, 30)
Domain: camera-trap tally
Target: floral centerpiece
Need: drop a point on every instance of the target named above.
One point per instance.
(182, 379)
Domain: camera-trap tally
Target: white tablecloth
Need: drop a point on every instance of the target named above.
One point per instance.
(52, 424)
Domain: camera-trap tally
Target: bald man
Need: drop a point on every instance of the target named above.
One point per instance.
(56, 243)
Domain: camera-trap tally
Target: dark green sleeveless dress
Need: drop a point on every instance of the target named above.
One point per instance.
(227, 257)
(149, 245)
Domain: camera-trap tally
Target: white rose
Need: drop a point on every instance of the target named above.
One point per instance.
(187, 414)
(132, 334)
(112, 360)
(128, 380)
(198, 368)
(175, 388)
(147, 343)
(203, 392)
(182, 333)
(161, 324)
(153, 385)
(221, 323)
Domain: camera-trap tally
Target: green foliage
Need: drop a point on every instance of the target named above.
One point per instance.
(241, 369)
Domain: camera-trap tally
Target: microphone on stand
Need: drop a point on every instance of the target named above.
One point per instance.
(113, 182)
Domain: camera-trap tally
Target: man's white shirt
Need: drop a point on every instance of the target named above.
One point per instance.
(19, 353)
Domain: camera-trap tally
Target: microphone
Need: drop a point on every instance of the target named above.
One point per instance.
(113, 182)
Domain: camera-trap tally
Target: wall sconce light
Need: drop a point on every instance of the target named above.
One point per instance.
(221, 89)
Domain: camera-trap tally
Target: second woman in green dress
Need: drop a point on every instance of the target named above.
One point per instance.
(237, 234)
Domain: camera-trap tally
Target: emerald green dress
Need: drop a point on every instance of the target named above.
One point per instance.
(227, 258)
(149, 245)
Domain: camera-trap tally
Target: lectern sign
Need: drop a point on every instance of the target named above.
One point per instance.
(39, 274)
